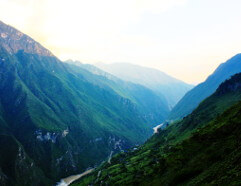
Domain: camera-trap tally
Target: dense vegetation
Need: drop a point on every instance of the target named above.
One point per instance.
(203, 148)
(59, 119)
(153, 107)
(192, 98)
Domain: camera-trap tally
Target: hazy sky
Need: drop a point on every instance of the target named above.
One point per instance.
(187, 39)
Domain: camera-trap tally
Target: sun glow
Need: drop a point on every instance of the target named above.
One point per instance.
(185, 38)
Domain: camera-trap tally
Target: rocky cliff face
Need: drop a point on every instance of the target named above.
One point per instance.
(13, 41)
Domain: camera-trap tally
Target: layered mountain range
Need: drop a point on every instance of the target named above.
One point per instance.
(153, 107)
(58, 119)
(201, 149)
(61, 118)
(167, 87)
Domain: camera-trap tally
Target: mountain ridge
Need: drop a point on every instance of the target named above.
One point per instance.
(62, 120)
(193, 97)
(192, 151)
(13, 40)
(161, 83)
(137, 93)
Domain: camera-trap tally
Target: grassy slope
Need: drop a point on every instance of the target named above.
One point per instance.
(42, 94)
(154, 108)
(65, 120)
(203, 148)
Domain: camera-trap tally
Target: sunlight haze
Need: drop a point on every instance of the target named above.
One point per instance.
(187, 39)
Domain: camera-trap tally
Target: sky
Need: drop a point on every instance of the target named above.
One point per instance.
(187, 39)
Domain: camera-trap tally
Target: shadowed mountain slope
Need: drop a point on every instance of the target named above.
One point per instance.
(58, 119)
(202, 149)
(192, 98)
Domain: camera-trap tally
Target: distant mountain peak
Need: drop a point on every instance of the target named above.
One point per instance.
(195, 96)
(13, 41)
(159, 82)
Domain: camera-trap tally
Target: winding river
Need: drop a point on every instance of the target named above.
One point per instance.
(67, 181)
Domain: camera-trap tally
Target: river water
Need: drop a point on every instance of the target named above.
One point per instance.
(67, 181)
(156, 128)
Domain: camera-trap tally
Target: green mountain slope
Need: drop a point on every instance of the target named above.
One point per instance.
(63, 118)
(162, 84)
(192, 98)
(153, 108)
(202, 149)
(16, 166)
